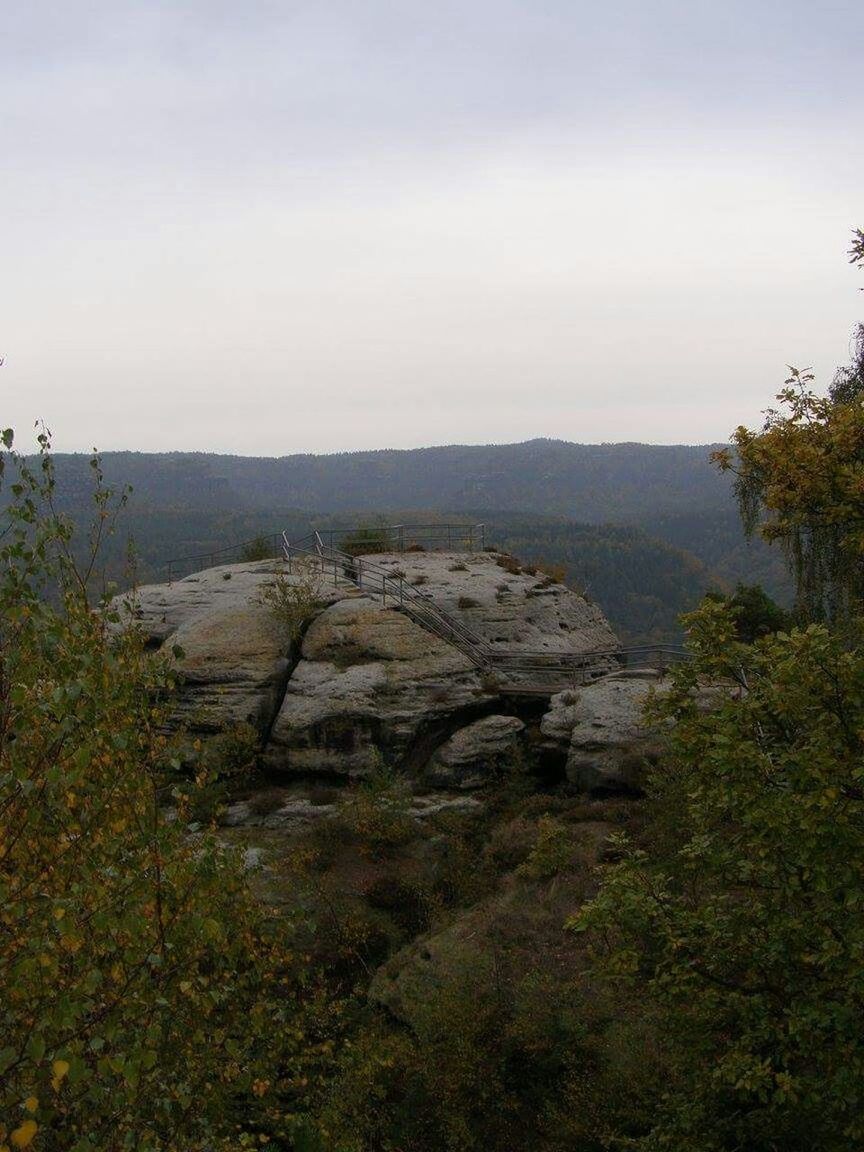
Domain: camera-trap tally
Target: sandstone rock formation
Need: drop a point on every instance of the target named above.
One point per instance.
(603, 730)
(367, 683)
(236, 659)
(472, 756)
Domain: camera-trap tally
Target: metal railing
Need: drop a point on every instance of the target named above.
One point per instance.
(519, 671)
(270, 542)
(403, 537)
(377, 538)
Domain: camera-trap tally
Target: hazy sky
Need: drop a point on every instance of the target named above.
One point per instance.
(271, 227)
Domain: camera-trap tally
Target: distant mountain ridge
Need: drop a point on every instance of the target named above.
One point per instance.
(646, 528)
(592, 483)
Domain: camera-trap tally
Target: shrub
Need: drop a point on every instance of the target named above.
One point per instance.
(366, 540)
(376, 811)
(552, 851)
(261, 548)
(508, 563)
(415, 548)
(421, 578)
(293, 600)
(143, 991)
(555, 573)
(466, 602)
(458, 567)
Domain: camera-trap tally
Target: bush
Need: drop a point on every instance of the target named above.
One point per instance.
(508, 563)
(143, 991)
(376, 811)
(731, 918)
(756, 614)
(552, 851)
(293, 600)
(366, 541)
(466, 602)
(261, 548)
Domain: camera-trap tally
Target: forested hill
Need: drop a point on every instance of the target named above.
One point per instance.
(646, 530)
(592, 483)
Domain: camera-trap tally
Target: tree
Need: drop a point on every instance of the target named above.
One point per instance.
(146, 1000)
(800, 481)
(741, 923)
(755, 613)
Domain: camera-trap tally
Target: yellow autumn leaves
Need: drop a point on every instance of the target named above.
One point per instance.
(23, 1135)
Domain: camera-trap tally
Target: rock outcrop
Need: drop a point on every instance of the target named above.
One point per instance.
(473, 756)
(603, 730)
(367, 683)
(236, 659)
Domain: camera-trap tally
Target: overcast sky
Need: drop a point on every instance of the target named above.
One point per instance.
(273, 227)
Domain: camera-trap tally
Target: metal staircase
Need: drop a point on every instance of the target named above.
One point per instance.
(515, 671)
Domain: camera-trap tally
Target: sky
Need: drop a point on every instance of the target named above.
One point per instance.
(277, 226)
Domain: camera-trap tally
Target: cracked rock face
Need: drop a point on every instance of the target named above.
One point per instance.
(473, 755)
(369, 678)
(368, 682)
(236, 660)
(603, 729)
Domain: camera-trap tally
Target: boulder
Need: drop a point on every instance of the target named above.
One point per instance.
(369, 682)
(474, 755)
(603, 728)
(236, 658)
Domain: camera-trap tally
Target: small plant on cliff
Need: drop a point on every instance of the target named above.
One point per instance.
(376, 811)
(366, 541)
(293, 600)
(552, 850)
(260, 548)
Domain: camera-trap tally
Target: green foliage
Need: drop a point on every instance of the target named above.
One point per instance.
(366, 540)
(376, 810)
(756, 614)
(799, 482)
(293, 600)
(261, 548)
(552, 850)
(145, 997)
(739, 922)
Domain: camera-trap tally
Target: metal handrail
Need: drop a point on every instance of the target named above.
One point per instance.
(576, 667)
(216, 556)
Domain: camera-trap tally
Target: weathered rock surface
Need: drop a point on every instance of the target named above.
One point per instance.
(603, 729)
(370, 681)
(508, 610)
(236, 660)
(471, 757)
